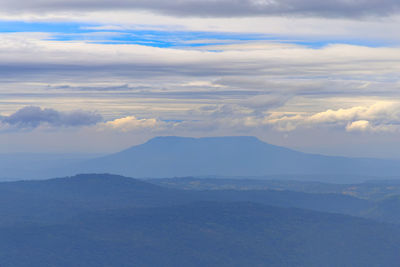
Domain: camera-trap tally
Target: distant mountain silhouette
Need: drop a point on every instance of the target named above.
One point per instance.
(229, 156)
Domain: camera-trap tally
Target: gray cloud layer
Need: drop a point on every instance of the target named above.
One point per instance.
(32, 117)
(217, 8)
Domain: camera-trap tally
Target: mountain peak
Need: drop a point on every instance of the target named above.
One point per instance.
(175, 139)
(174, 156)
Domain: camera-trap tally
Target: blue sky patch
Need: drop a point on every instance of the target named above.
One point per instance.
(158, 38)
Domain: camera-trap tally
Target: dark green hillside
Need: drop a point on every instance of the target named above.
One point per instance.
(373, 190)
(203, 234)
(56, 199)
(108, 220)
(52, 200)
(387, 210)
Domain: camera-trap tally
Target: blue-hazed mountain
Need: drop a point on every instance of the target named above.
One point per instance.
(231, 156)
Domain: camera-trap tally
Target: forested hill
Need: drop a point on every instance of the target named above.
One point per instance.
(109, 220)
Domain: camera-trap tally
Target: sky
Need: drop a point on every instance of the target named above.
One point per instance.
(99, 76)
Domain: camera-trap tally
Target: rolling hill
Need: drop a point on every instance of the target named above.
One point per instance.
(203, 234)
(110, 220)
(55, 199)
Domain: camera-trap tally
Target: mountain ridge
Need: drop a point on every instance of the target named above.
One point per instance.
(173, 156)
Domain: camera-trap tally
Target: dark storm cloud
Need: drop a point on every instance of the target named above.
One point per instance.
(217, 8)
(32, 117)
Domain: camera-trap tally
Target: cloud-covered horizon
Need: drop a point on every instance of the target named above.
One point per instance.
(380, 116)
(37, 130)
(293, 73)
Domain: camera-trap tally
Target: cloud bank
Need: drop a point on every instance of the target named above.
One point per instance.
(33, 117)
(217, 8)
(379, 117)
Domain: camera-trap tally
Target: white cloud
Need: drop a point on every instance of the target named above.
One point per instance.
(361, 125)
(131, 123)
(382, 111)
(379, 117)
